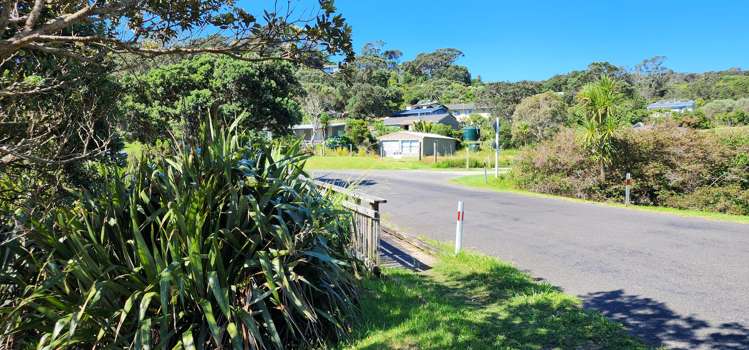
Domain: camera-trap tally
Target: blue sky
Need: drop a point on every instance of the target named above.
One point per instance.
(534, 40)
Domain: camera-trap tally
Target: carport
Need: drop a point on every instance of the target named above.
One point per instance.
(410, 144)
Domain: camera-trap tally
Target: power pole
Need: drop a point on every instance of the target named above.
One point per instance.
(496, 148)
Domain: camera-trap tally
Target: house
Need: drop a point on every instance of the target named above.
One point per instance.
(429, 112)
(304, 131)
(415, 144)
(673, 106)
(407, 122)
(461, 111)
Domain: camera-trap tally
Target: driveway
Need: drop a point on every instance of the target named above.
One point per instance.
(681, 282)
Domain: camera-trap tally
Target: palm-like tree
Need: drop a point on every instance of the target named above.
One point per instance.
(599, 105)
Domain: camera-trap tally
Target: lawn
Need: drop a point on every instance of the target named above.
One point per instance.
(506, 184)
(477, 302)
(341, 159)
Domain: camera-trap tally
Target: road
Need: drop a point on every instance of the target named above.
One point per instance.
(681, 282)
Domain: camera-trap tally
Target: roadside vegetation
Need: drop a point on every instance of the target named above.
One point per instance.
(506, 183)
(477, 302)
(225, 246)
(341, 158)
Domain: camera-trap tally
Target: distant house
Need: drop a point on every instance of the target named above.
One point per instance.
(415, 144)
(432, 112)
(304, 131)
(673, 106)
(461, 111)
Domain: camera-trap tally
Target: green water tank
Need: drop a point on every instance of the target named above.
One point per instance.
(470, 133)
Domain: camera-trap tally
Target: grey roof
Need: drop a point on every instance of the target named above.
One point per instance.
(408, 120)
(421, 111)
(671, 104)
(309, 126)
(461, 106)
(412, 135)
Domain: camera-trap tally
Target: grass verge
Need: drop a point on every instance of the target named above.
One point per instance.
(476, 302)
(341, 159)
(506, 184)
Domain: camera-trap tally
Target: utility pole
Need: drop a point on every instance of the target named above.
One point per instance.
(496, 148)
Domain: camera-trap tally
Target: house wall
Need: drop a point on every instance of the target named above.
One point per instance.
(444, 147)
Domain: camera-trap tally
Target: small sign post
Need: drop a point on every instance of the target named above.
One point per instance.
(467, 165)
(627, 188)
(459, 228)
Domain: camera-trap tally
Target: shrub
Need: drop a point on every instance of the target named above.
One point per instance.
(671, 166)
(358, 132)
(336, 142)
(219, 245)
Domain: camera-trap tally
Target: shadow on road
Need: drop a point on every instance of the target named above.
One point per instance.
(655, 323)
(347, 183)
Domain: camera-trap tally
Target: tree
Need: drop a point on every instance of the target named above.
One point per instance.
(538, 117)
(87, 31)
(207, 86)
(58, 60)
(431, 64)
(369, 101)
(651, 77)
(502, 97)
(315, 104)
(598, 105)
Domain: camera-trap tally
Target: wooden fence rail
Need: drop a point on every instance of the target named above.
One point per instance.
(365, 210)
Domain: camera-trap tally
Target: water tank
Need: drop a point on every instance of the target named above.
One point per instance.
(470, 133)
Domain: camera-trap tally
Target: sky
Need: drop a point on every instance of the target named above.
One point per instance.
(534, 40)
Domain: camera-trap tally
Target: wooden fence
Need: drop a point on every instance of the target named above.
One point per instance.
(365, 210)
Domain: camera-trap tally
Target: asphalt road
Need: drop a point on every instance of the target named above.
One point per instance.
(680, 282)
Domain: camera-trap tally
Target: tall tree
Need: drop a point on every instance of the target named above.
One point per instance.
(599, 109)
(652, 77)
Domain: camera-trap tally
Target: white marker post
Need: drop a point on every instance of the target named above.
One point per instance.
(627, 188)
(459, 228)
(496, 150)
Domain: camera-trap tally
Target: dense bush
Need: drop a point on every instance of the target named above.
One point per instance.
(538, 117)
(221, 245)
(671, 166)
(357, 130)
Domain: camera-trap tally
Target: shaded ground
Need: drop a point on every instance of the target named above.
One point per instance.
(475, 302)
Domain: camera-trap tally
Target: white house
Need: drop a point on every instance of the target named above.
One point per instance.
(410, 144)
(304, 131)
(461, 111)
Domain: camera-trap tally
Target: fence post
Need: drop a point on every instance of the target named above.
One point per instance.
(467, 165)
(459, 229)
(486, 177)
(434, 151)
(627, 188)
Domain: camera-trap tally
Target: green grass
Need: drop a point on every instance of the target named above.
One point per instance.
(506, 184)
(477, 302)
(341, 159)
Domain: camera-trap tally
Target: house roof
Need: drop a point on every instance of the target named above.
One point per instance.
(408, 120)
(309, 126)
(461, 106)
(672, 104)
(420, 111)
(412, 135)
